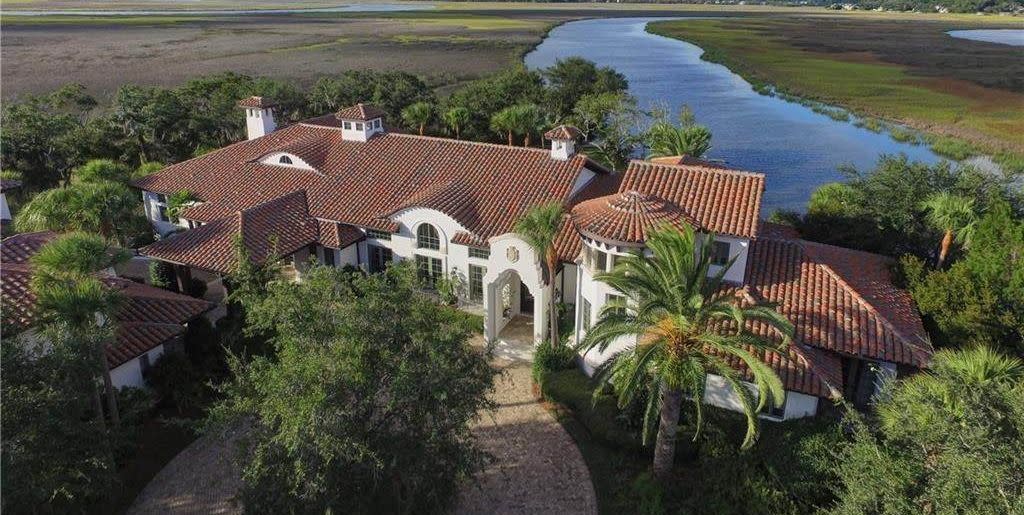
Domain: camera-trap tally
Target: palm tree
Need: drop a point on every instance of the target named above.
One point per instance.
(504, 122)
(455, 119)
(418, 115)
(68, 295)
(107, 208)
(687, 326)
(665, 139)
(953, 215)
(539, 227)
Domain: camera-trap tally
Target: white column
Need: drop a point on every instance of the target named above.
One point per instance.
(540, 312)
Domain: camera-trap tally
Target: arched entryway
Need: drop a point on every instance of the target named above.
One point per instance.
(515, 297)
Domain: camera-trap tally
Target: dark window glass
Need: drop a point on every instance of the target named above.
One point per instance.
(772, 411)
(720, 253)
(618, 299)
(144, 364)
(285, 160)
(585, 314)
(600, 261)
(426, 237)
(379, 258)
(476, 282)
(163, 214)
(330, 257)
(479, 253)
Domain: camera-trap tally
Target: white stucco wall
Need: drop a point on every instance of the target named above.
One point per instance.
(718, 393)
(151, 205)
(512, 257)
(5, 210)
(130, 373)
(738, 247)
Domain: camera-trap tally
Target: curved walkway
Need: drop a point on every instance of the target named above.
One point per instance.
(535, 465)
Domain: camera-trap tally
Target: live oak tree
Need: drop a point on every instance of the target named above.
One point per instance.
(366, 407)
(686, 326)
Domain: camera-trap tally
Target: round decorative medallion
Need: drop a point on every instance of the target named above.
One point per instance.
(512, 254)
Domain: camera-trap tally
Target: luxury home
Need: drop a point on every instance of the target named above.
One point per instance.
(343, 190)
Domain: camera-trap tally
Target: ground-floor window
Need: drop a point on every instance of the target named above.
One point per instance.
(585, 315)
(379, 257)
(476, 283)
(779, 412)
(428, 269)
(330, 257)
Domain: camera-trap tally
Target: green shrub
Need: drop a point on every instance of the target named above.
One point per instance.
(177, 381)
(161, 274)
(904, 135)
(548, 359)
(1011, 163)
(649, 495)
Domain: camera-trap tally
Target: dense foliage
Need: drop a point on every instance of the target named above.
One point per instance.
(365, 408)
(950, 440)
(880, 210)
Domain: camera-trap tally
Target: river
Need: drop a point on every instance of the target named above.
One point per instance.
(1012, 37)
(796, 148)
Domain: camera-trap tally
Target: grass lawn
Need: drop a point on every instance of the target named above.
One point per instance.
(879, 68)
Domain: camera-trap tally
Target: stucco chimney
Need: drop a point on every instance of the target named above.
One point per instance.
(259, 116)
(563, 141)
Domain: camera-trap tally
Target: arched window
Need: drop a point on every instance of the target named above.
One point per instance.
(426, 237)
(285, 160)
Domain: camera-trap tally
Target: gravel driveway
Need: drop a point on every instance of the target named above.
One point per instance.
(535, 465)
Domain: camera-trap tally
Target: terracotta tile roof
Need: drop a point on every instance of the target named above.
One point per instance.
(563, 132)
(20, 247)
(802, 370)
(360, 112)
(339, 236)
(257, 102)
(568, 244)
(626, 218)
(778, 231)
(840, 300)
(281, 225)
(485, 187)
(9, 184)
(135, 339)
(722, 201)
(148, 317)
(687, 160)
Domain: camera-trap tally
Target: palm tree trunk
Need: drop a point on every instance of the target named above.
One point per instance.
(526, 139)
(665, 446)
(553, 302)
(99, 406)
(422, 126)
(108, 384)
(510, 142)
(457, 132)
(947, 243)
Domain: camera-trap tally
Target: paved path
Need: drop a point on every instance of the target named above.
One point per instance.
(535, 465)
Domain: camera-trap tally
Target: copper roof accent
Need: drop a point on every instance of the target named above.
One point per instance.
(563, 132)
(257, 102)
(839, 300)
(359, 112)
(721, 201)
(148, 317)
(279, 226)
(21, 247)
(9, 184)
(626, 218)
(338, 236)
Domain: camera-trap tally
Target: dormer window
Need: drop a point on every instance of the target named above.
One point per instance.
(285, 160)
(720, 253)
(359, 126)
(347, 125)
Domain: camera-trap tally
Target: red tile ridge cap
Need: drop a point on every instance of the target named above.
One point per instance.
(708, 169)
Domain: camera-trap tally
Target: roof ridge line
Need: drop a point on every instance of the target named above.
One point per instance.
(728, 171)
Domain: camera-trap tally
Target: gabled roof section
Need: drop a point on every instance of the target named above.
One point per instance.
(338, 236)
(721, 201)
(361, 112)
(839, 300)
(278, 226)
(563, 132)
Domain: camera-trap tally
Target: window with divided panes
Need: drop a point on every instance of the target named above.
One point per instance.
(427, 238)
(428, 269)
(476, 283)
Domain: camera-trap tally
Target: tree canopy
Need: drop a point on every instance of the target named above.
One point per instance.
(365, 408)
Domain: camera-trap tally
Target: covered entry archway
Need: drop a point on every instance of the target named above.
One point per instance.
(514, 296)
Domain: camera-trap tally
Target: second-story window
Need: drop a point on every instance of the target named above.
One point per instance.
(427, 238)
(600, 261)
(720, 253)
(479, 253)
(285, 160)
